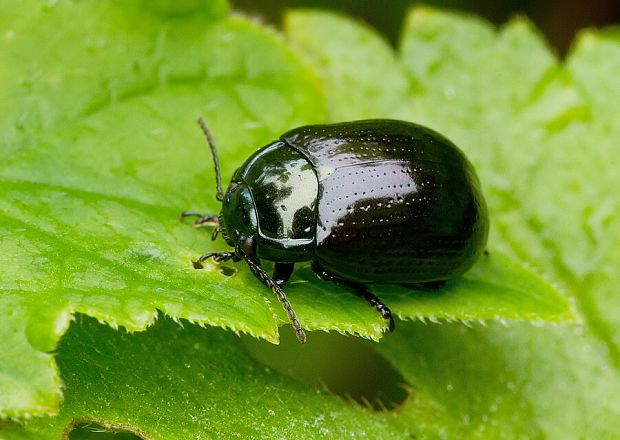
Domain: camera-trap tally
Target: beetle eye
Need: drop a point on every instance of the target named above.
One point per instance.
(238, 215)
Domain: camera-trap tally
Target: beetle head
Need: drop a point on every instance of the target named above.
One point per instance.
(238, 220)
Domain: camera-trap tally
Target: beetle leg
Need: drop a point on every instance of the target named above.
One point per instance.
(260, 273)
(323, 274)
(361, 291)
(190, 214)
(376, 304)
(217, 257)
(211, 220)
(282, 272)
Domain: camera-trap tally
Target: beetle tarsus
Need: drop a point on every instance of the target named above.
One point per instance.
(210, 220)
(377, 304)
(185, 214)
(218, 257)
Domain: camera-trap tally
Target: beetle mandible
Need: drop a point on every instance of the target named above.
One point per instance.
(371, 201)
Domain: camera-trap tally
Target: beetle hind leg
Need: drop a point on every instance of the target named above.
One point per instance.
(374, 302)
(360, 290)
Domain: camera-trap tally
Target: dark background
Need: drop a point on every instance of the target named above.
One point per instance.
(559, 20)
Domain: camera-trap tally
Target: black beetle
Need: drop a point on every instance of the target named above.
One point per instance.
(372, 201)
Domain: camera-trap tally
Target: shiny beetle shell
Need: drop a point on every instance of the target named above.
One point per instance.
(378, 201)
(372, 201)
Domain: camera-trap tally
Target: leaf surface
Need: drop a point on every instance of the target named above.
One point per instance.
(100, 153)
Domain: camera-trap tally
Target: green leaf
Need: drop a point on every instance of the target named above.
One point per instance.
(350, 93)
(190, 383)
(596, 222)
(496, 288)
(507, 382)
(99, 154)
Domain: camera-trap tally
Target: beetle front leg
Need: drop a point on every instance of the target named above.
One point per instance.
(210, 220)
(217, 257)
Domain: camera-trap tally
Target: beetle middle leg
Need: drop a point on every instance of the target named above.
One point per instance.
(360, 290)
(282, 272)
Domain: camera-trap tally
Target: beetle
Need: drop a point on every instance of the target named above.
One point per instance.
(366, 202)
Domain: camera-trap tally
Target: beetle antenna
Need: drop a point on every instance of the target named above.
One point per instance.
(264, 276)
(219, 195)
